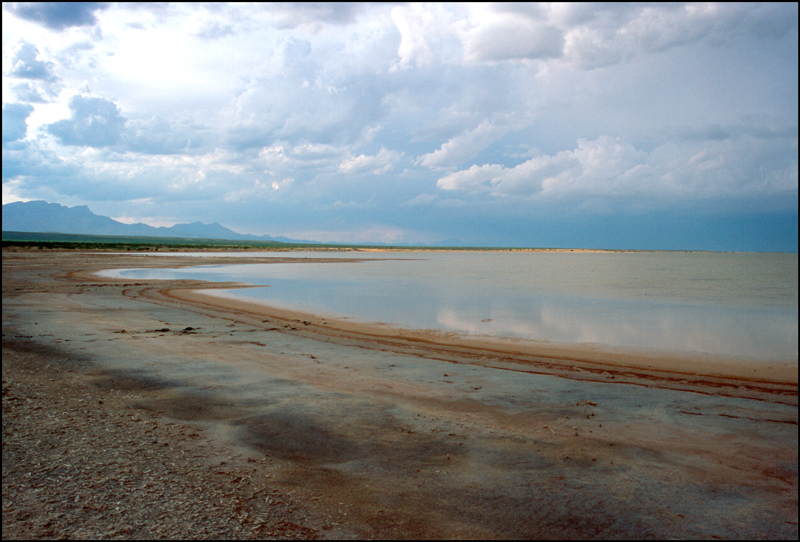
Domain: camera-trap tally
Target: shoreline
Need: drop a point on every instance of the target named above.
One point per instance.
(728, 376)
(684, 370)
(768, 370)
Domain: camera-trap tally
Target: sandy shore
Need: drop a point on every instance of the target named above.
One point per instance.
(362, 431)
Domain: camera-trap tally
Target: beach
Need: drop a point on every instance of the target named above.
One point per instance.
(138, 409)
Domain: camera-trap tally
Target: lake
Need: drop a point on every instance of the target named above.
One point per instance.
(738, 304)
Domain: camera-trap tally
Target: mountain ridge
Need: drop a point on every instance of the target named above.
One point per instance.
(40, 216)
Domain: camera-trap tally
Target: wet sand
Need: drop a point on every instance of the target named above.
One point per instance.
(389, 434)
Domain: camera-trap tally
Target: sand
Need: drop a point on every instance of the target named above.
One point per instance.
(367, 431)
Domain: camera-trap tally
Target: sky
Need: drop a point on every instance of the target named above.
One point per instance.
(620, 126)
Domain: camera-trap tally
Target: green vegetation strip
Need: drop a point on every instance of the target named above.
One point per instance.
(120, 242)
(72, 241)
(77, 241)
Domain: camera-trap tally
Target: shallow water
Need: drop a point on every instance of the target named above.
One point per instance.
(729, 304)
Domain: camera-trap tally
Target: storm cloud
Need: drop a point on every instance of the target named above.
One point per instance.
(57, 15)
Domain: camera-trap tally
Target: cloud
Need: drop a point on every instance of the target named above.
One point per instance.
(160, 135)
(514, 39)
(436, 117)
(313, 14)
(593, 35)
(38, 173)
(759, 130)
(293, 48)
(609, 168)
(464, 146)
(421, 200)
(770, 20)
(285, 183)
(213, 30)
(27, 93)
(14, 126)
(598, 167)
(376, 165)
(612, 33)
(472, 179)
(257, 190)
(306, 102)
(58, 15)
(26, 65)
(95, 122)
(426, 35)
(283, 157)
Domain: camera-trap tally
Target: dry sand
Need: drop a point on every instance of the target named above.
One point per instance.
(146, 409)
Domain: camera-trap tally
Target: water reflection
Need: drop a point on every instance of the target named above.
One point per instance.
(757, 332)
(684, 328)
(743, 304)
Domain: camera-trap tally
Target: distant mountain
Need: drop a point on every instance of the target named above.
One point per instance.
(40, 216)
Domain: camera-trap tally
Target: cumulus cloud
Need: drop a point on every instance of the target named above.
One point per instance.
(26, 64)
(282, 184)
(293, 48)
(160, 135)
(592, 35)
(25, 165)
(513, 39)
(27, 93)
(464, 146)
(313, 14)
(614, 33)
(306, 93)
(57, 15)
(95, 122)
(426, 35)
(214, 30)
(14, 126)
(283, 157)
(327, 112)
(376, 164)
(472, 179)
(609, 168)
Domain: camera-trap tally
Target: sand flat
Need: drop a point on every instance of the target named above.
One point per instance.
(390, 434)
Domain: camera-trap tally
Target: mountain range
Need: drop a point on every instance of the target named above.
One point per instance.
(40, 216)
